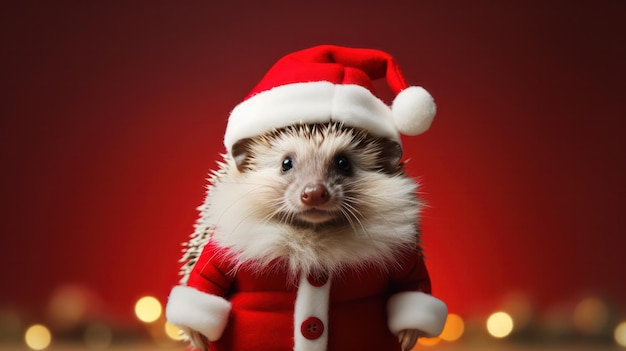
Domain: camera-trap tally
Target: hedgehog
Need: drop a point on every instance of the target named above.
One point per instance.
(308, 238)
(325, 196)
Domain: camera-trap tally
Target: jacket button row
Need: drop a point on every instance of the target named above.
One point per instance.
(312, 328)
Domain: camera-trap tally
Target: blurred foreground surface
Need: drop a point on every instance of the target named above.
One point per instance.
(495, 346)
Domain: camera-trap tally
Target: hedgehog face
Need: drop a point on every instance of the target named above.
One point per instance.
(316, 174)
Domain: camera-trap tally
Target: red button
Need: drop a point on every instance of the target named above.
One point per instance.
(312, 328)
(318, 279)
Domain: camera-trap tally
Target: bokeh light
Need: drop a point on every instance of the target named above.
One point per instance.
(591, 316)
(148, 309)
(68, 306)
(173, 332)
(37, 337)
(620, 334)
(453, 328)
(500, 324)
(426, 342)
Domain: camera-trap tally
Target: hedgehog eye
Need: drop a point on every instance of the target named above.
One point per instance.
(343, 165)
(287, 164)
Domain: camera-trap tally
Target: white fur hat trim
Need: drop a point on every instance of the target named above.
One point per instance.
(311, 102)
(411, 113)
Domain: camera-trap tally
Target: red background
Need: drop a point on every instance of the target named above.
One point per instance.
(113, 115)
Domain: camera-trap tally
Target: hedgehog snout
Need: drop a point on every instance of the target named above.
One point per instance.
(314, 194)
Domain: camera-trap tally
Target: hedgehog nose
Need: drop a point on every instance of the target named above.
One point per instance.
(314, 195)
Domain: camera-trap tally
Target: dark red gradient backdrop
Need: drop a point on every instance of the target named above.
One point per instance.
(113, 114)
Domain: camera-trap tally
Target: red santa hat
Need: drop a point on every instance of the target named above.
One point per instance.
(331, 83)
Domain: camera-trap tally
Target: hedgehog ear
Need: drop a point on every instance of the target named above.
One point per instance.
(240, 151)
(390, 155)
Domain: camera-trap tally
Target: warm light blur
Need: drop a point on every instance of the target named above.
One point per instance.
(591, 315)
(500, 324)
(173, 332)
(453, 328)
(148, 309)
(98, 336)
(620, 334)
(69, 306)
(37, 337)
(519, 306)
(426, 342)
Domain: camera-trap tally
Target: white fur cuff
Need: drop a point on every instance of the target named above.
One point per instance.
(416, 310)
(190, 309)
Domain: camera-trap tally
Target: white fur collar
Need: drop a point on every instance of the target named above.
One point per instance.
(377, 239)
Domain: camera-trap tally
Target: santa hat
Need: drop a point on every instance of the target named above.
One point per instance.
(331, 83)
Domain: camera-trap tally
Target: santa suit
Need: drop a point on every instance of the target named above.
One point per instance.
(360, 309)
(249, 307)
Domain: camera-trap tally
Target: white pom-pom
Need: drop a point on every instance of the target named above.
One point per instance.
(413, 111)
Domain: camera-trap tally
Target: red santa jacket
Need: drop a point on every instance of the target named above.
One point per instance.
(360, 309)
